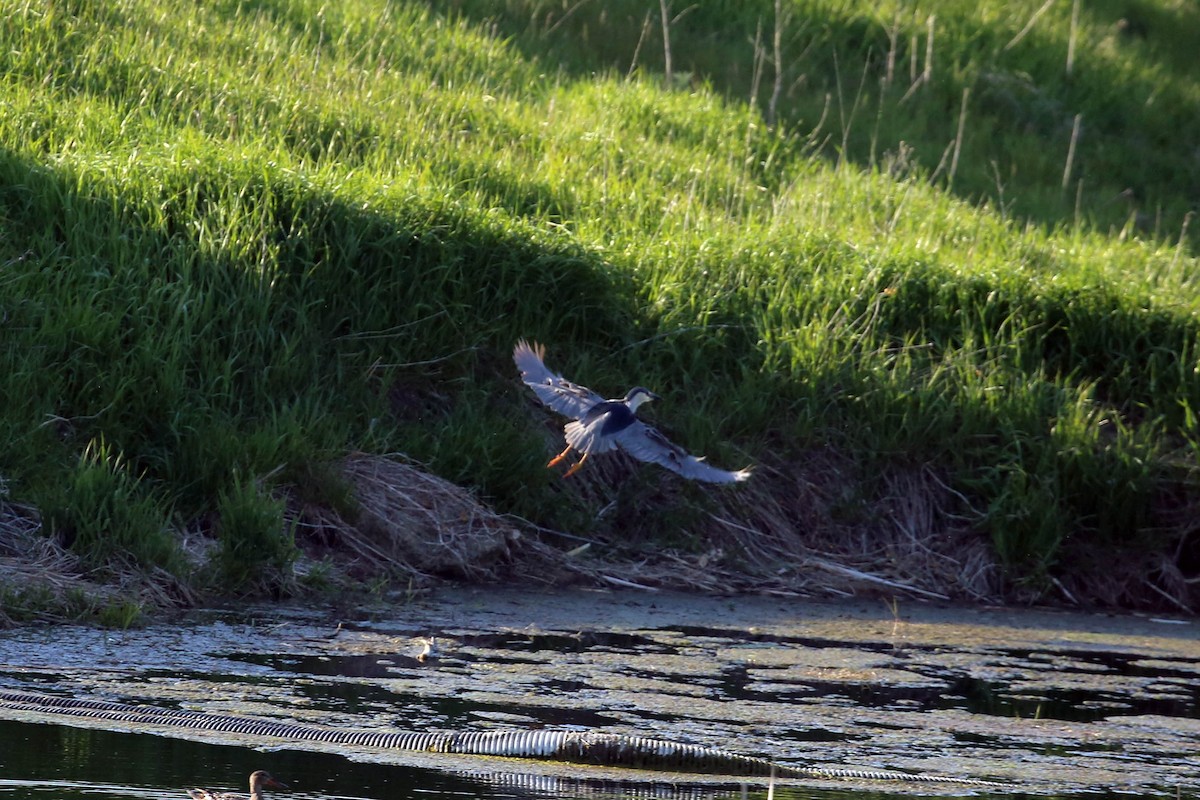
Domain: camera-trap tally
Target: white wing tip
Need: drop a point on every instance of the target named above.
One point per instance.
(714, 475)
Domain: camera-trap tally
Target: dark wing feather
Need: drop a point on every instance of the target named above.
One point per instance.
(647, 444)
(568, 399)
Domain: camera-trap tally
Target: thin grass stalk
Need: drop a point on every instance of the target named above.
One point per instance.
(848, 121)
(760, 56)
(570, 12)
(927, 75)
(664, 9)
(942, 164)
(958, 138)
(879, 109)
(1072, 37)
(1078, 203)
(1179, 245)
(777, 90)
(893, 38)
(837, 79)
(1028, 26)
(1066, 178)
(912, 59)
(638, 47)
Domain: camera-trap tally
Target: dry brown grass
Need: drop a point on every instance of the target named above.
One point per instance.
(39, 579)
(407, 521)
(791, 530)
(915, 538)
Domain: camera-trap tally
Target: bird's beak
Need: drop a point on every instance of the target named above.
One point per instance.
(653, 396)
(274, 783)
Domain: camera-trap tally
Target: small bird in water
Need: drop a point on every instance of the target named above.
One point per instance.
(429, 648)
(600, 425)
(258, 779)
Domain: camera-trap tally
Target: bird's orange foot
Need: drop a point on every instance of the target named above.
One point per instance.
(558, 459)
(575, 467)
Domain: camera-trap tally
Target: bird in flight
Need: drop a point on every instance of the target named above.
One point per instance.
(598, 425)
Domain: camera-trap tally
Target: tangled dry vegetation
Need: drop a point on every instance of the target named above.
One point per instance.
(758, 538)
(404, 521)
(793, 531)
(39, 578)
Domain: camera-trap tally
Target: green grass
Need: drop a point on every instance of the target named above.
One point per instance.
(851, 83)
(240, 239)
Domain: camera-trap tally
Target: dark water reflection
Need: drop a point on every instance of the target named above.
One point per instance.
(69, 763)
(64, 762)
(1063, 705)
(89, 763)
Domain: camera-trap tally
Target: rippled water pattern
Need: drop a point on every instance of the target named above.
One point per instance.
(1061, 704)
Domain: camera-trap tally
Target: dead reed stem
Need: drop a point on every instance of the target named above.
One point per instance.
(777, 89)
(1071, 37)
(638, 47)
(759, 57)
(1028, 26)
(1066, 178)
(664, 8)
(958, 138)
(927, 75)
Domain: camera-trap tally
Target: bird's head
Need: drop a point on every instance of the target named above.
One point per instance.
(638, 395)
(261, 777)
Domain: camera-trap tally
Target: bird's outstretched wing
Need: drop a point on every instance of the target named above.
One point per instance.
(569, 399)
(647, 444)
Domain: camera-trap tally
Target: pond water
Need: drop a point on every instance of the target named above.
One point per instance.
(1059, 704)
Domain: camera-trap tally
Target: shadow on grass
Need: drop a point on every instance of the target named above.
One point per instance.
(211, 326)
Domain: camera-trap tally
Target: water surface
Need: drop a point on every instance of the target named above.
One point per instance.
(1061, 704)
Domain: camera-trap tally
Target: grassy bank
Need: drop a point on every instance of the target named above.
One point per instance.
(241, 240)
